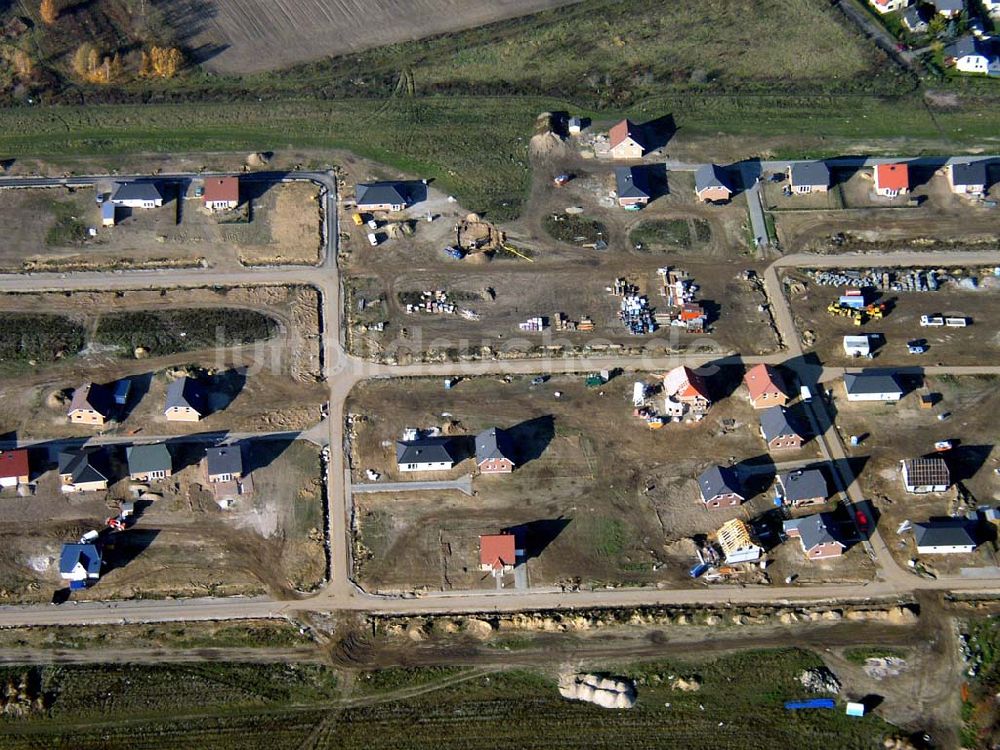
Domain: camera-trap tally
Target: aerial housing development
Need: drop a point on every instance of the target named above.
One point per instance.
(361, 364)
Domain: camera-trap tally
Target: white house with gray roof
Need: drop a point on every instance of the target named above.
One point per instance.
(425, 454)
(967, 177)
(868, 385)
(137, 195)
(380, 196)
(971, 55)
(950, 536)
(808, 177)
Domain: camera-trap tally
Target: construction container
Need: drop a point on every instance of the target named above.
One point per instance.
(122, 388)
(357, 219)
(826, 703)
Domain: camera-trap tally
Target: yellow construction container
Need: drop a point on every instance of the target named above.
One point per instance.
(356, 218)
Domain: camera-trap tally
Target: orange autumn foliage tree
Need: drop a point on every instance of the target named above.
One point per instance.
(161, 62)
(48, 11)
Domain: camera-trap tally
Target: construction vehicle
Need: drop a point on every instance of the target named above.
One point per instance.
(875, 312)
(358, 219)
(562, 179)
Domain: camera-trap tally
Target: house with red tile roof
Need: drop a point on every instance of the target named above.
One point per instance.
(14, 469)
(222, 193)
(766, 387)
(688, 387)
(892, 180)
(497, 553)
(625, 141)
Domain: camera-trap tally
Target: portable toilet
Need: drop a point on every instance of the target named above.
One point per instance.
(855, 709)
(638, 394)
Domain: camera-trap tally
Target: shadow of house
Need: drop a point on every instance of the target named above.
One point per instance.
(124, 547)
(139, 387)
(657, 184)
(743, 174)
(188, 450)
(224, 387)
(756, 474)
(965, 461)
(531, 438)
(658, 133)
(261, 453)
(533, 537)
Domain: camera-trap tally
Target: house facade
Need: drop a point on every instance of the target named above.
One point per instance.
(808, 177)
(891, 180)
(380, 196)
(684, 385)
(224, 463)
(14, 469)
(766, 387)
(137, 195)
(711, 184)
(630, 183)
(889, 6)
(971, 55)
(719, 487)
(872, 386)
(817, 534)
(425, 454)
(967, 177)
(803, 487)
(625, 141)
(186, 401)
(497, 553)
(944, 537)
(494, 452)
(147, 463)
(221, 193)
(91, 405)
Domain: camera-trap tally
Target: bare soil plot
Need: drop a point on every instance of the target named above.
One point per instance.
(602, 498)
(270, 385)
(233, 37)
(893, 433)
(182, 544)
(978, 343)
(555, 277)
(51, 229)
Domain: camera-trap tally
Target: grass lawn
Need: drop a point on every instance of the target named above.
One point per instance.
(670, 234)
(280, 706)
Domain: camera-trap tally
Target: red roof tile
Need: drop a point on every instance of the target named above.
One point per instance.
(226, 189)
(13, 463)
(892, 176)
(761, 379)
(496, 550)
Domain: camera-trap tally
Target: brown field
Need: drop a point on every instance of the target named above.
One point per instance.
(603, 499)
(265, 386)
(893, 433)
(235, 37)
(182, 544)
(48, 230)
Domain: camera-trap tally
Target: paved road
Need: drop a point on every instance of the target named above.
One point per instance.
(343, 371)
(757, 222)
(211, 438)
(463, 484)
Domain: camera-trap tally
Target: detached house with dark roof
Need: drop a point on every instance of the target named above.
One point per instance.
(631, 185)
(79, 563)
(137, 195)
(380, 196)
(149, 462)
(949, 8)
(720, 487)
(888, 6)
(967, 177)
(425, 454)
(818, 534)
(778, 431)
(91, 404)
(711, 184)
(950, 536)
(186, 401)
(494, 452)
(808, 177)
(224, 463)
(971, 55)
(915, 20)
(803, 487)
(869, 385)
(83, 470)
(625, 141)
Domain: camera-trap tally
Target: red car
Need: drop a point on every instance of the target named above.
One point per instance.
(861, 519)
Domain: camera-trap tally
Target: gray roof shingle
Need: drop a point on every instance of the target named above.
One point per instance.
(84, 465)
(871, 382)
(146, 458)
(814, 530)
(946, 533)
(136, 191)
(710, 176)
(719, 480)
(631, 182)
(494, 443)
(378, 193)
(810, 173)
(185, 392)
(425, 450)
(804, 484)
(775, 423)
(224, 459)
(969, 172)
